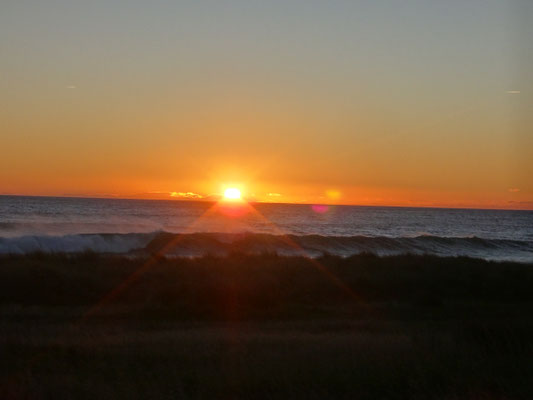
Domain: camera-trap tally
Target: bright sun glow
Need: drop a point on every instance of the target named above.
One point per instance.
(232, 194)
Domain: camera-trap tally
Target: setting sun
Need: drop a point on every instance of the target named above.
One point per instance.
(232, 194)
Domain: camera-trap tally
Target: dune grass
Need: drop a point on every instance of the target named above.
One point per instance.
(265, 327)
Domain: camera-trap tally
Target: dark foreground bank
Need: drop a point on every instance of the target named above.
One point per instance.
(405, 327)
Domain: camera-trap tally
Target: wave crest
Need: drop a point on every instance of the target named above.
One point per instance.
(199, 244)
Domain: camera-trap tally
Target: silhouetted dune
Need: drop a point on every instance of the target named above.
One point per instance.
(264, 327)
(260, 284)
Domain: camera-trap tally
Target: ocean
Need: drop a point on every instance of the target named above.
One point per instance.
(133, 227)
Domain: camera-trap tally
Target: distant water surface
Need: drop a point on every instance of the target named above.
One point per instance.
(121, 226)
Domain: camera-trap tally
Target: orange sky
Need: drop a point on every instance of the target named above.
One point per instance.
(418, 105)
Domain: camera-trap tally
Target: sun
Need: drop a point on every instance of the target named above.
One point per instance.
(232, 194)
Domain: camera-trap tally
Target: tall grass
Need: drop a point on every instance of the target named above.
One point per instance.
(265, 327)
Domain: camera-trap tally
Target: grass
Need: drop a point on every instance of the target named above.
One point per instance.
(265, 327)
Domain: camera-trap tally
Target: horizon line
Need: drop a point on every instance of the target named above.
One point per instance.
(188, 200)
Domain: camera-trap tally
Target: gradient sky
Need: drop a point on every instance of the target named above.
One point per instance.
(358, 102)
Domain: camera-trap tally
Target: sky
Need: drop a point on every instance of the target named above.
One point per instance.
(386, 102)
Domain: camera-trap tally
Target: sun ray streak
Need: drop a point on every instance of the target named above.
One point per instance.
(150, 262)
(286, 238)
(76, 325)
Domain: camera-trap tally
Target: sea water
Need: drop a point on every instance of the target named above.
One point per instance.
(53, 224)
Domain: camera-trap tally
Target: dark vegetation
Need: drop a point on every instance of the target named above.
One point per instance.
(265, 327)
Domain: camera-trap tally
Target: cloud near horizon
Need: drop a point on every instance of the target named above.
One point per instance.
(186, 195)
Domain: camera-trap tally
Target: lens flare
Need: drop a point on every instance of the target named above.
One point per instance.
(320, 208)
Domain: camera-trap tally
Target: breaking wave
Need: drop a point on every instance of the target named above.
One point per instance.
(199, 244)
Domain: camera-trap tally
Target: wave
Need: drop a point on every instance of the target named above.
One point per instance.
(199, 244)
(100, 243)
